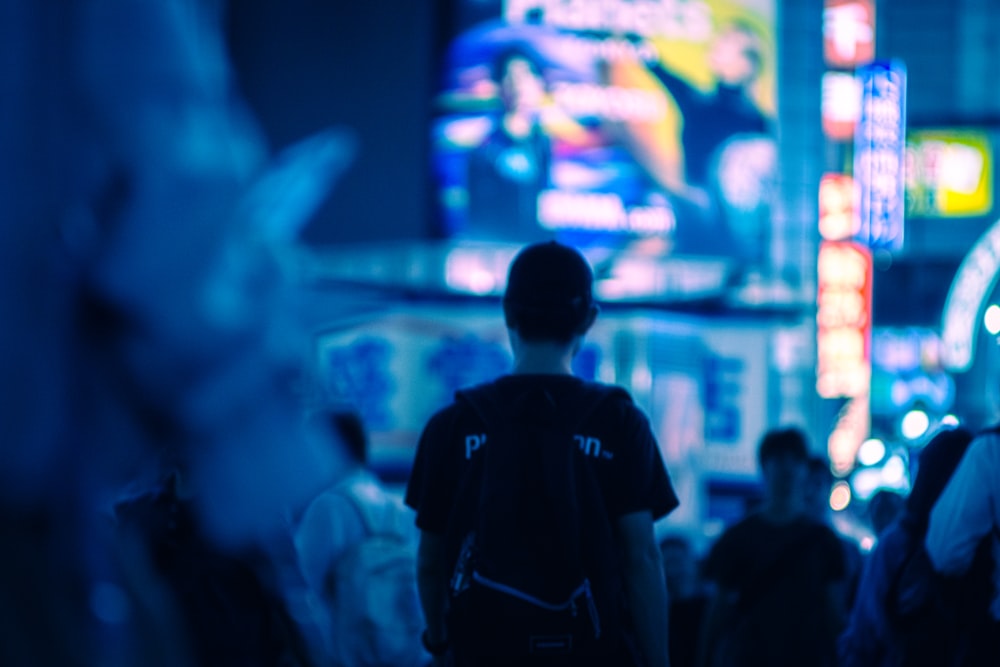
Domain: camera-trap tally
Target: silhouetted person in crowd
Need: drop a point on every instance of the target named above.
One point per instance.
(688, 599)
(536, 496)
(887, 626)
(964, 524)
(223, 600)
(329, 542)
(777, 573)
(819, 485)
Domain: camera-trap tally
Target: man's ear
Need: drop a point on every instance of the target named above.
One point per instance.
(588, 322)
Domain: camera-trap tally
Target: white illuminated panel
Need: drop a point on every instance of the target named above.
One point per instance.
(838, 218)
(639, 17)
(841, 105)
(843, 319)
(848, 32)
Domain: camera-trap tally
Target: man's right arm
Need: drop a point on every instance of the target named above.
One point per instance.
(432, 584)
(645, 587)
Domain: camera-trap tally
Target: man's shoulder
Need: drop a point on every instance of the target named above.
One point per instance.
(736, 534)
(445, 418)
(509, 389)
(986, 444)
(612, 392)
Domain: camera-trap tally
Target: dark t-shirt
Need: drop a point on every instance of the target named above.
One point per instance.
(781, 574)
(627, 462)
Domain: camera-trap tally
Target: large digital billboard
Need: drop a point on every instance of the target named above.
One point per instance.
(635, 125)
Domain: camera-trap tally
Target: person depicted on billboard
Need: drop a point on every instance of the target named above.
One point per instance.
(716, 160)
(510, 168)
(711, 118)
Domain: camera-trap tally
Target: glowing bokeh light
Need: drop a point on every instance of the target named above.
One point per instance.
(871, 452)
(992, 319)
(914, 424)
(840, 496)
(894, 471)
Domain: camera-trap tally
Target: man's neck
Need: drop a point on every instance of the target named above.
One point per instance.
(542, 359)
(542, 366)
(782, 511)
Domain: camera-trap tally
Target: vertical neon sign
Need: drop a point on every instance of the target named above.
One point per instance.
(843, 320)
(879, 154)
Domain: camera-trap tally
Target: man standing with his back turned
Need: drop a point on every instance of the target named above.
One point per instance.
(536, 496)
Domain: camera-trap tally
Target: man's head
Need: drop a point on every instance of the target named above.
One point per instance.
(345, 427)
(549, 296)
(936, 464)
(783, 457)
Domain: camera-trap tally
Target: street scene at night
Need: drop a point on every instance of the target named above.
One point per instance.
(468, 333)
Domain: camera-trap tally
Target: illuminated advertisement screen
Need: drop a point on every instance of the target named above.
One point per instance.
(949, 173)
(629, 124)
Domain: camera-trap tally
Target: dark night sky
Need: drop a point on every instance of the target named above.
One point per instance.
(304, 65)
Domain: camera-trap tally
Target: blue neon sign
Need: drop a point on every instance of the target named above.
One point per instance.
(879, 150)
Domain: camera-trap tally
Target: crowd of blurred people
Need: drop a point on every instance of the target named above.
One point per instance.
(763, 595)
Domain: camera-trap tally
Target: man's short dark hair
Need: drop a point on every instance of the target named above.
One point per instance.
(348, 427)
(549, 295)
(779, 442)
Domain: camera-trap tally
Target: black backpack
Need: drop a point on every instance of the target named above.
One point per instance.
(536, 572)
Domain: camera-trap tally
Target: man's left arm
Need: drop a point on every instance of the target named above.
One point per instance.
(963, 514)
(645, 588)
